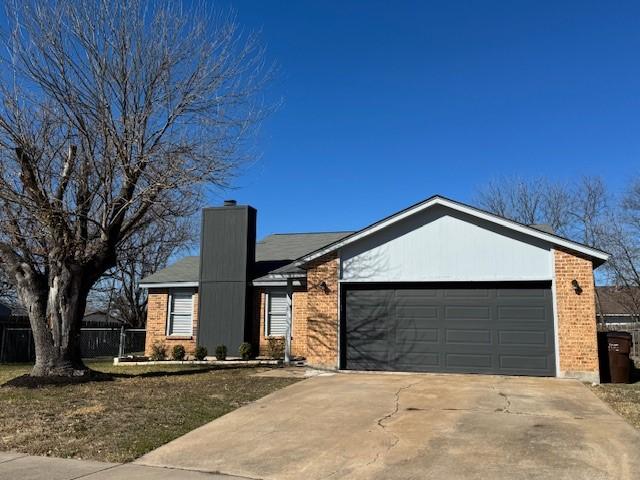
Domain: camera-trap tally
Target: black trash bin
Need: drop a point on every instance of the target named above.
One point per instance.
(619, 347)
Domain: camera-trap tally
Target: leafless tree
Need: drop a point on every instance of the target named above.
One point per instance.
(146, 252)
(113, 114)
(533, 201)
(620, 236)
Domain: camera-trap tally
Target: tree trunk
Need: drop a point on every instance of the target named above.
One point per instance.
(55, 314)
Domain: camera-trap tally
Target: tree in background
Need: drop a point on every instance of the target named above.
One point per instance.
(113, 116)
(585, 212)
(574, 211)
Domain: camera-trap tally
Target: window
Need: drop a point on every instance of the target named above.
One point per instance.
(276, 314)
(180, 313)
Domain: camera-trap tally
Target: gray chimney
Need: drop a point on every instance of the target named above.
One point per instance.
(229, 203)
(227, 258)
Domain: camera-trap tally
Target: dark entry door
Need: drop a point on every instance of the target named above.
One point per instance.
(484, 328)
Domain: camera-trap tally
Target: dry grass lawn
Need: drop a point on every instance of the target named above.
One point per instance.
(120, 420)
(624, 399)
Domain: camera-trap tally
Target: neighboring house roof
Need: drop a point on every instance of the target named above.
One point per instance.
(618, 301)
(275, 252)
(598, 256)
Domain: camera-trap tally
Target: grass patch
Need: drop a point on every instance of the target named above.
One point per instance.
(623, 398)
(120, 420)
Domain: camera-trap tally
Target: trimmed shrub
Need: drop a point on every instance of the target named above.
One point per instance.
(221, 352)
(178, 352)
(245, 350)
(158, 352)
(200, 353)
(275, 347)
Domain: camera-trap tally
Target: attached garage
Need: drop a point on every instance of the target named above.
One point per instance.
(483, 328)
(445, 287)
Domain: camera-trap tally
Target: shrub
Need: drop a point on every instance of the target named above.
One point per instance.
(245, 350)
(178, 352)
(201, 352)
(158, 351)
(275, 347)
(221, 352)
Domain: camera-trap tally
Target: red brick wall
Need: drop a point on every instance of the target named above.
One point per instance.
(157, 309)
(322, 311)
(577, 337)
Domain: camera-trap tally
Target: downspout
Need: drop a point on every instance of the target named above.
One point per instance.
(287, 338)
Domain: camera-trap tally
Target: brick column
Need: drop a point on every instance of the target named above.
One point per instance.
(322, 312)
(576, 314)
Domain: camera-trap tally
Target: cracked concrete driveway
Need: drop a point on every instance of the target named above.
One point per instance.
(379, 426)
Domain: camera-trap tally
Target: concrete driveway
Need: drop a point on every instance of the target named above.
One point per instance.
(381, 426)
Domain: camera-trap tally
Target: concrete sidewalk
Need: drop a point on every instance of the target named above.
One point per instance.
(25, 467)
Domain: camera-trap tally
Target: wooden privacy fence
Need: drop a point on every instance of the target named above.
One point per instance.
(16, 342)
(632, 328)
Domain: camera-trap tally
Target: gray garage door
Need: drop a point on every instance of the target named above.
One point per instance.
(503, 330)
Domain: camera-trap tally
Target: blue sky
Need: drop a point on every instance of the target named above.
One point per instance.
(386, 103)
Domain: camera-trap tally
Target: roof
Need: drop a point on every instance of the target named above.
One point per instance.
(597, 256)
(184, 270)
(277, 251)
(289, 246)
(618, 300)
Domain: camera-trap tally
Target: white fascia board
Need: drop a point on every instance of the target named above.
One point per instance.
(170, 285)
(277, 283)
(515, 226)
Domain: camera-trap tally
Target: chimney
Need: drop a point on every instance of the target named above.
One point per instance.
(227, 258)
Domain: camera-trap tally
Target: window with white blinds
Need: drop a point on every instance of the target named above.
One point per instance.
(276, 318)
(181, 314)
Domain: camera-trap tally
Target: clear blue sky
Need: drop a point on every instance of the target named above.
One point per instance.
(386, 103)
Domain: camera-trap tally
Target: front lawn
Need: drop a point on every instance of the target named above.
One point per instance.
(120, 420)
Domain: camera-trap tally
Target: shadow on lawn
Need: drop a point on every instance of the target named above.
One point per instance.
(27, 381)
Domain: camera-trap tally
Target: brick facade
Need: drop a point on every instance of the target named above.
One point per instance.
(576, 314)
(157, 309)
(315, 319)
(322, 311)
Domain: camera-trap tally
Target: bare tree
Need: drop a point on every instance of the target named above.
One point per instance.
(530, 202)
(113, 114)
(620, 236)
(146, 252)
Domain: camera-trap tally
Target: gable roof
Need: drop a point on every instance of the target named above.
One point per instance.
(598, 256)
(279, 249)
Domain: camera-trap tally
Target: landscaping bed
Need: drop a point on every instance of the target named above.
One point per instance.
(130, 412)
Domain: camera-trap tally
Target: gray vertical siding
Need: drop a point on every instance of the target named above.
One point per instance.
(441, 244)
(227, 254)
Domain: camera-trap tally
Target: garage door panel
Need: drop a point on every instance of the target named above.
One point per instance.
(523, 362)
(468, 336)
(416, 335)
(467, 360)
(416, 311)
(418, 362)
(467, 312)
(484, 330)
(524, 338)
(522, 313)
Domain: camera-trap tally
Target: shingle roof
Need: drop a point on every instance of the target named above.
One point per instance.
(618, 300)
(186, 269)
(289, 246)
(279, 249)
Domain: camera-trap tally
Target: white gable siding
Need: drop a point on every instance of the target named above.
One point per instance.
(441, 244)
